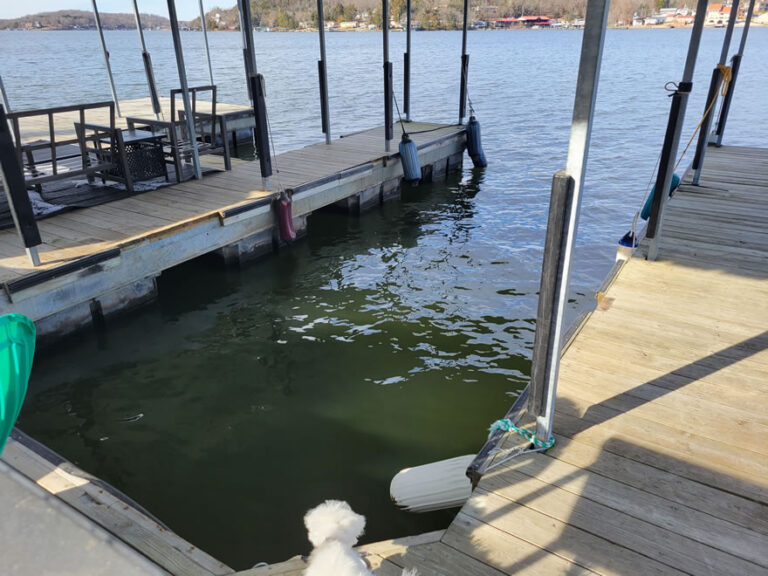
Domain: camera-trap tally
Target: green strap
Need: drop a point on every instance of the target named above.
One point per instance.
(507, 425)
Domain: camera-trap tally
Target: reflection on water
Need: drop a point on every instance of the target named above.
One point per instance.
(242, 398)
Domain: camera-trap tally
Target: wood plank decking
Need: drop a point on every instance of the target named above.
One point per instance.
(661, 460)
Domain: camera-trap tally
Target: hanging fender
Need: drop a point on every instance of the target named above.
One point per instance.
(474, 143)
(409, 156)
(283, 208)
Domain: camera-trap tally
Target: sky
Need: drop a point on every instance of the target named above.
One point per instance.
(186, 9)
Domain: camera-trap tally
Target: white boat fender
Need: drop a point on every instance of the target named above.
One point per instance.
(433, 486)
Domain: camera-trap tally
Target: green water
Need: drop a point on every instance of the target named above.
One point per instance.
(242, 398)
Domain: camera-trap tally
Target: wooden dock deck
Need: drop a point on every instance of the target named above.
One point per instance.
(661, 458)
(89, 252)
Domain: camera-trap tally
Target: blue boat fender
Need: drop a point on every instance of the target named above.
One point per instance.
(409, 157)
(474, 143)
(646, 212)
(283, 206)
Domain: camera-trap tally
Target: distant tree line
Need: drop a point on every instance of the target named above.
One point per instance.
(290, 14)
(74, 19)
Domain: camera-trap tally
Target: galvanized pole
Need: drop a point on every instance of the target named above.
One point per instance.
(407, 64)
(701, 145)
(147, 63)
(562, 226)
(205, 39)
(464, 66)
(184, 87)
(105, 52)
(735, 65)
(388, 95)
(672, 137)
(325, 118)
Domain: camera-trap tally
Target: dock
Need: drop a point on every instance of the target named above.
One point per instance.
(660, 464)
(105, 258)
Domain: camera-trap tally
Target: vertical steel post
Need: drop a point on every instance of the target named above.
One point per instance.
(323, 75)
(701, 145)
(562, 226)
(388, 95)
(4, 95)
(105, 53)
(205, 39)
(672, 137)
(249, 52)
(16, 193)
(147, 63)
(464, 66)
(184, 87)
(407, 64)
(735, 65)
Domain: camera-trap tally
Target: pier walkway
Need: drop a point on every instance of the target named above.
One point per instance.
(661, 459)
(119, 248)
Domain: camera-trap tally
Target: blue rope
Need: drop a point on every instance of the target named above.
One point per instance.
(508, 426)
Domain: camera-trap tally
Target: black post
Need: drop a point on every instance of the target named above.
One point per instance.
(667, 158)
(706, 124)
(709, 109)
(735, 65)
(16, 192)
(262, 127)
(674, 129)
(407, 64)
(464, 66)
(249, 53)
(323, 75)
(560, 202)
(388, 98)
(388, 94)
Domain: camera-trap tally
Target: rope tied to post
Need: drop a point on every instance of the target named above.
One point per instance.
(725, 80)
(507, 425)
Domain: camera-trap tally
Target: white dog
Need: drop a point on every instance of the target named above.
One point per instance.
(333, 530)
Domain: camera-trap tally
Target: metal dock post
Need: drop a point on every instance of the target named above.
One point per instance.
(147, 64)
(717, 74)
(672, 136)
(184, 87)
(735, 65)
(562, 226)
(105, 53)
(464, 66)
(205, 39)
(388, 94)
(325, 118)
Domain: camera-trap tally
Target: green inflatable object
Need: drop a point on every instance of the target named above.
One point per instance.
(17, 349)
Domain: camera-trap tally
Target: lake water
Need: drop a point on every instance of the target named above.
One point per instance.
(242, 398)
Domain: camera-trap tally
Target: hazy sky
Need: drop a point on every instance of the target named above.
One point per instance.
(186, 9)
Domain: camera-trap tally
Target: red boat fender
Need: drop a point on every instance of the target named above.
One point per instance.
(285, 218)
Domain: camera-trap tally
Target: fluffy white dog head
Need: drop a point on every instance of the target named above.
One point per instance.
(334, 520)
(333, 529)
